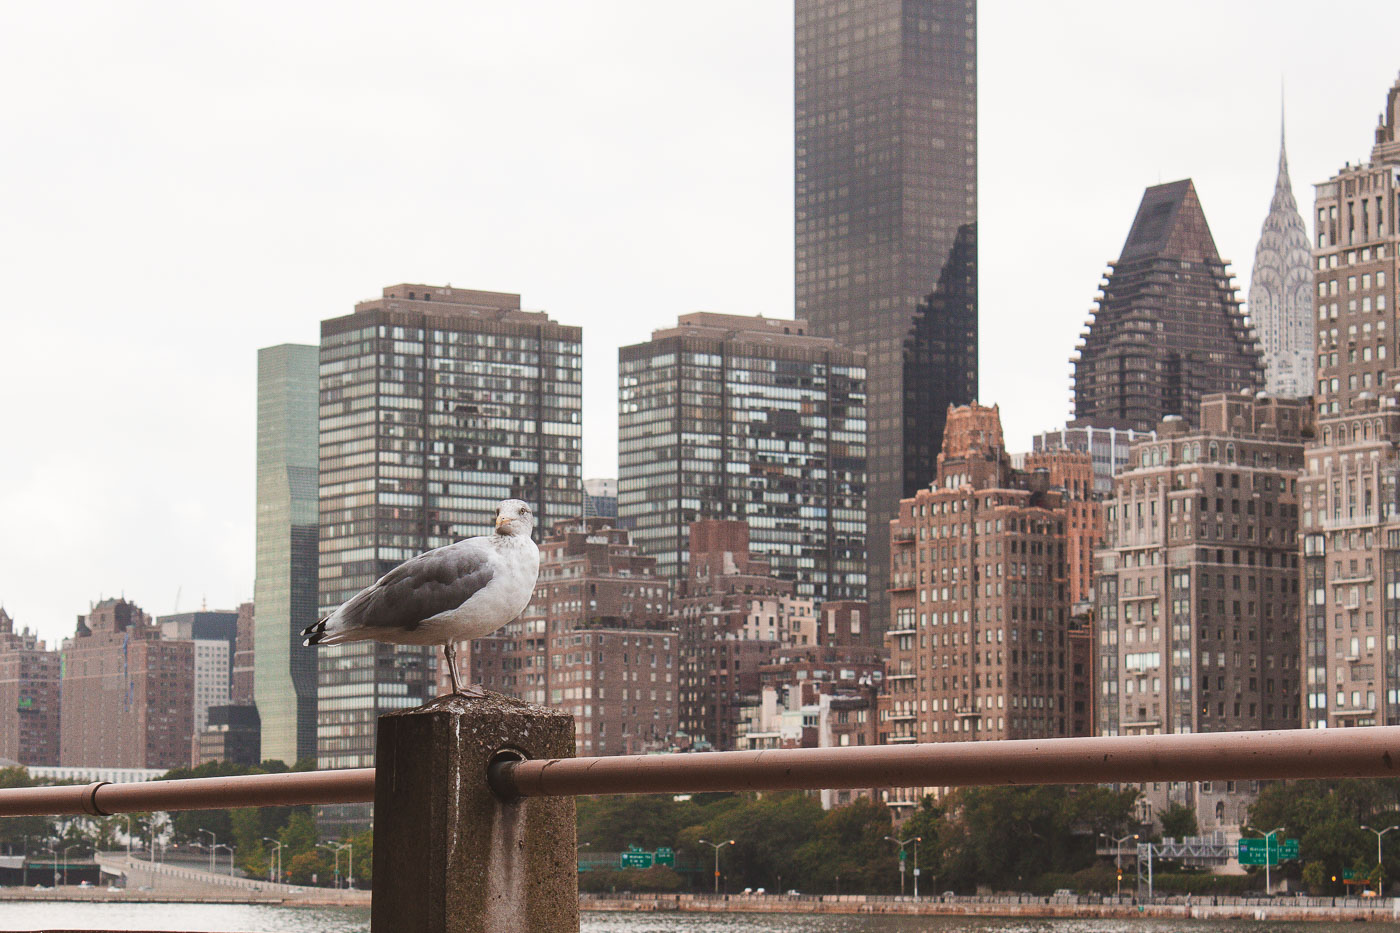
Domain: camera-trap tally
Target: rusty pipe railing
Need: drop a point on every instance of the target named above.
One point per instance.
(1206, 756)
(1298, 753)
(248, 790)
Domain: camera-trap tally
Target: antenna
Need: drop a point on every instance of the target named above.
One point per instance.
(178, 590)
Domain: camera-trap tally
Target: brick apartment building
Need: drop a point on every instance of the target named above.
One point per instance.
(734, 616)
(1198, 604)
(597, 639)
(980, 592)
(128, 692)
(29, 695)
(1349, 491)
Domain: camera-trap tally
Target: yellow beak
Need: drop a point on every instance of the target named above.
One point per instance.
(501, 520)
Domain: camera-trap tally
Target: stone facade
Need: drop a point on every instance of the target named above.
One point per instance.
(1197, 583)
(1350, 495)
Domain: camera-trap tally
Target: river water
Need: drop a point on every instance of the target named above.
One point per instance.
(252, 918)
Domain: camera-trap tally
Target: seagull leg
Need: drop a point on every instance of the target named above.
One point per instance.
(449, 651)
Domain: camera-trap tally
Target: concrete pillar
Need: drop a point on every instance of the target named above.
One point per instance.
(450, 856)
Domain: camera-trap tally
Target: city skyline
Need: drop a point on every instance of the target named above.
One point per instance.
(172, 423)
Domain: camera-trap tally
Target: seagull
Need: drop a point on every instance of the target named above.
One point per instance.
(449, 594)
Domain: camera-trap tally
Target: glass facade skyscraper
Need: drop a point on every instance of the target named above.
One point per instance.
(436, 404)
(284, 588)
(752, 419)
(886, 188)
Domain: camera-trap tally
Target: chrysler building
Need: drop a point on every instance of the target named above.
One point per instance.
(1280, 292)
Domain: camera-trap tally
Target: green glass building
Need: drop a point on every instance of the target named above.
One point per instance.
(284, 592)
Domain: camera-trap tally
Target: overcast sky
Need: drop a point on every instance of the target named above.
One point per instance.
(183, 183)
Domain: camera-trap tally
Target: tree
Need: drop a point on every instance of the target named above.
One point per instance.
(309, 868)
(1178, 821)
(17, 831)
(1326, 818)
(1005, 837)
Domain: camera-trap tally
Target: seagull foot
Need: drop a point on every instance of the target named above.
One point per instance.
(472, 691)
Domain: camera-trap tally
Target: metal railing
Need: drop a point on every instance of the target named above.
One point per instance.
(474, 813)
(1206, 756)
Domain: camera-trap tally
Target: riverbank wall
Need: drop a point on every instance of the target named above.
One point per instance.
(1219, 908)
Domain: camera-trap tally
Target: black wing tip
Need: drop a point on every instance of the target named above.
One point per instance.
(315, 633)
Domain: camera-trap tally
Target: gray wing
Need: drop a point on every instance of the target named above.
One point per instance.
(418, 589)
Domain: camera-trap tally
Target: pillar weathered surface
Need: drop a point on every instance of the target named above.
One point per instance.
(450, 856)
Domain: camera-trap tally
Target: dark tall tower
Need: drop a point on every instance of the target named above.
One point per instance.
(1168, 330)
(886, 170)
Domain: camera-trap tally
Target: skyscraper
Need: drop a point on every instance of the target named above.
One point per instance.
(1281, 292)
(1356, 261)
(1350, 503)
(1168, 329)
(284, 589)
(1197, 586)
(886, 180)
(749, 419)
(436, 404)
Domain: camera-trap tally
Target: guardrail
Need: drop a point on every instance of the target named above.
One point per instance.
(474, 812)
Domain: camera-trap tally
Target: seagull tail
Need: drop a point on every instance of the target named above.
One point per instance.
(315, 634)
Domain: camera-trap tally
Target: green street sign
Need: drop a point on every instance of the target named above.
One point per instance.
(636, 859)
(666, 856)
(1270, 852)
(903, 855)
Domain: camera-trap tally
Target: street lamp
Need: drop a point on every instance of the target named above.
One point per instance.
(1379, 833)
(66, 850)
(279, 856)
(718, 846)
(336, 850)
(1118, 859)
(902, 843)
(53, 863)
(1268, 859)
(230, 856)
(213, 844)
(350, 866)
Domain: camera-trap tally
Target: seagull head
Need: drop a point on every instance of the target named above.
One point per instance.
(514, 517)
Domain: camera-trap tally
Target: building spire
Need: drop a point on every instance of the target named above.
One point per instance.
(1279, 310)
(1283, 186)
